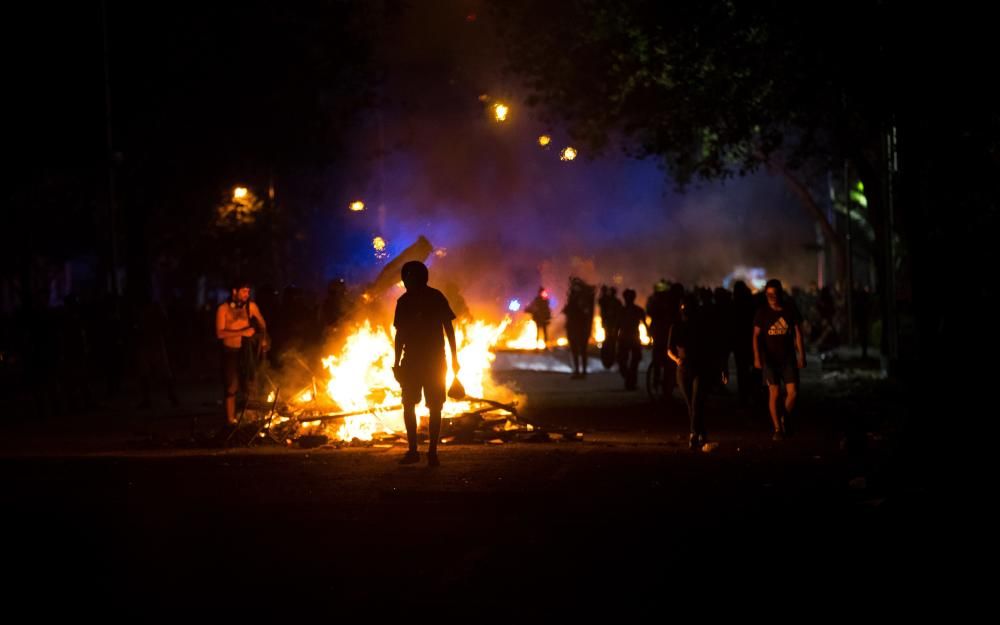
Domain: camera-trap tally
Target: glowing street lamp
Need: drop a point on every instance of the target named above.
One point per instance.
(567, 154)
(544, 141)
(500, 112)
(240, 210)
(357, 206)
(379, 244)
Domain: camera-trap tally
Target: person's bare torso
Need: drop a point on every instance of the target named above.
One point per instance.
(236, 319)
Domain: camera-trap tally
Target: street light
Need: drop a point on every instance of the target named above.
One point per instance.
(381, 248)
(241, 210)
(357, 206)
(500, 112)
(544, 141)
(567, 154)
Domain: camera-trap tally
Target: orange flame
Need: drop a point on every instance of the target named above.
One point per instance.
(361, 379)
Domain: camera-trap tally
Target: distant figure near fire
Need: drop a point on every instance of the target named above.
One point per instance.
(237, 319)
(579, 311)
(541, 314)
(423, 318)
(611, 312)
(629, 343)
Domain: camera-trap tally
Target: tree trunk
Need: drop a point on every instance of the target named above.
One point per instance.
(805, 196)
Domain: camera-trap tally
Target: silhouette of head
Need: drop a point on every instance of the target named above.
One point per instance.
(629, 296)
(689, 305)
(415, 274)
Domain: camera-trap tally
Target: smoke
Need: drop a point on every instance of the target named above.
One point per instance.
(512, 216)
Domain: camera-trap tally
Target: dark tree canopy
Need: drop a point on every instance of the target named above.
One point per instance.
(716, 88)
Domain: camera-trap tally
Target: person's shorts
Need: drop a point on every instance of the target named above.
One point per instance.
(428, 381)
(780, 375)
(230, 369)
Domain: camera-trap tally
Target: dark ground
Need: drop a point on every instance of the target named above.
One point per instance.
(627, 521)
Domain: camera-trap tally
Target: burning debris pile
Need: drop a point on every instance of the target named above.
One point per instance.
(358, 401)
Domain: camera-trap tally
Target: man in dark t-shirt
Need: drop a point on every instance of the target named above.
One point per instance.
(422, 320)
(779, 350)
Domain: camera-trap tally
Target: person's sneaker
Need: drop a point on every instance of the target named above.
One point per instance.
(432, 459)
(410, 457)
(778, 436)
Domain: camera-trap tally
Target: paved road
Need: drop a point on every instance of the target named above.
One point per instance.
(627, 520)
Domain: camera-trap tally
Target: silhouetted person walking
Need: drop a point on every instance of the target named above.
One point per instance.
(423, 318)
(663, 308)
(629, 344)
(693, 348)
(579, 311)
(541, 314)
(611, 314)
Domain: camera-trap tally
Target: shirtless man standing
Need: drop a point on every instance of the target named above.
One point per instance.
(236, 319)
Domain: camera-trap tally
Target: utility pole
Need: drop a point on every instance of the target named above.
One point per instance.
(890, 325)
(849, 296)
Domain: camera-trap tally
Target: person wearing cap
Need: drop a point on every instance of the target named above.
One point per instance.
(422, 320)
